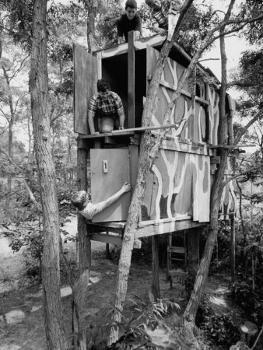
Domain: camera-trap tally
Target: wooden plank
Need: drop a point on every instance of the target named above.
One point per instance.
(170, 86)
(126, 132)
(131, 131)
(96, 228)
(162, 221)
(85, 79)
(167, 227)
(131, 80)
(105, 238)
(140, 44)
(202, 101)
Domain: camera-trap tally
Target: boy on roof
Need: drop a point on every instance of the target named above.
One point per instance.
(129, 21)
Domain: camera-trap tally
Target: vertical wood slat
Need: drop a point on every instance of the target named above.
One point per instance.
(85, 79)
(131, 80)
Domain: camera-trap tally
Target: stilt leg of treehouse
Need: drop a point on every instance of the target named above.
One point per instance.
(83, 237)
(193, 238)
(155, 267)
(233, 247)
(84, 244)
(169, 262)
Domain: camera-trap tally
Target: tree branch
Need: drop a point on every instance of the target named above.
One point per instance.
(30, 193)
(242, 132)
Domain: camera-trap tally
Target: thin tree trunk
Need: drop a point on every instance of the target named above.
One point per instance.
(10, 152)
(149, 148)
(92, 8)
(10, 126)
(241, 213)
(38, 84)
(216, 193)
(29, 141)
(233, 248)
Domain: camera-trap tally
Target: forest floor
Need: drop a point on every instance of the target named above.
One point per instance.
(21, 312)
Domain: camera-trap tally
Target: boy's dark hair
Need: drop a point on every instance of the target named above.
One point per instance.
(103, 85)
(131, 3)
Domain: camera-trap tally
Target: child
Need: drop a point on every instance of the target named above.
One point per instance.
(130, 21)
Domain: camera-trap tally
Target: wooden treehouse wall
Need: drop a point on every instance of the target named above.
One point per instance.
(85, 79)
(180, 181)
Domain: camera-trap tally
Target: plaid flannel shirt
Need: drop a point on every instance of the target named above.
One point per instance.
(106, 103)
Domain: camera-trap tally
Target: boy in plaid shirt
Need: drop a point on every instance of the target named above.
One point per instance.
(106, 104)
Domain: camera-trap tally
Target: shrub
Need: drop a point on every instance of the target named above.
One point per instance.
(219, 330)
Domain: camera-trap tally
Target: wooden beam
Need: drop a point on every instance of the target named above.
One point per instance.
(117, 227)
(113, 239)
(105, 238)
(131, 80)
(229, 146)
(172, 87)
(166, 227)
(178, 217)
(202, 100)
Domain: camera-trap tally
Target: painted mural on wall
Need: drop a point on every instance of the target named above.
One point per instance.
(180, 183)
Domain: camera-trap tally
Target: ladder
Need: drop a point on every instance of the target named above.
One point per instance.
(176, 253)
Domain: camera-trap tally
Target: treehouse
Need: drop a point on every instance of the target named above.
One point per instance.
(177, 196)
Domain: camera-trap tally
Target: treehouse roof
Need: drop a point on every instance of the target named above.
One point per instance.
(177, 53)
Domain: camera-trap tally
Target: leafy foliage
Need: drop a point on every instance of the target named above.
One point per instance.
(219, 330)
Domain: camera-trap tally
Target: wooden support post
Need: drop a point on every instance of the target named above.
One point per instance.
(193, 237)
(131, 80)
(155, 267)
(169, 262)
(233, 247)
(84, 246)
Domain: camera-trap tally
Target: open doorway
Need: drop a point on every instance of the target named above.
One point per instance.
(115, 71)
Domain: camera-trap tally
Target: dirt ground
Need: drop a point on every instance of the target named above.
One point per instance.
(21, 312)
(26, 330)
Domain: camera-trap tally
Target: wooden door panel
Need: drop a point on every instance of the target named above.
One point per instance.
(105, 184)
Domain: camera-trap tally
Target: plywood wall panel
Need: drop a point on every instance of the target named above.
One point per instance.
(85, 79)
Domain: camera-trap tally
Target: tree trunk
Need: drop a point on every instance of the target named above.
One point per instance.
(38, 84)
(10, 125)
(216, 194)
(10, 152)
(149, 148)
(92, 9)
(233, 247)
